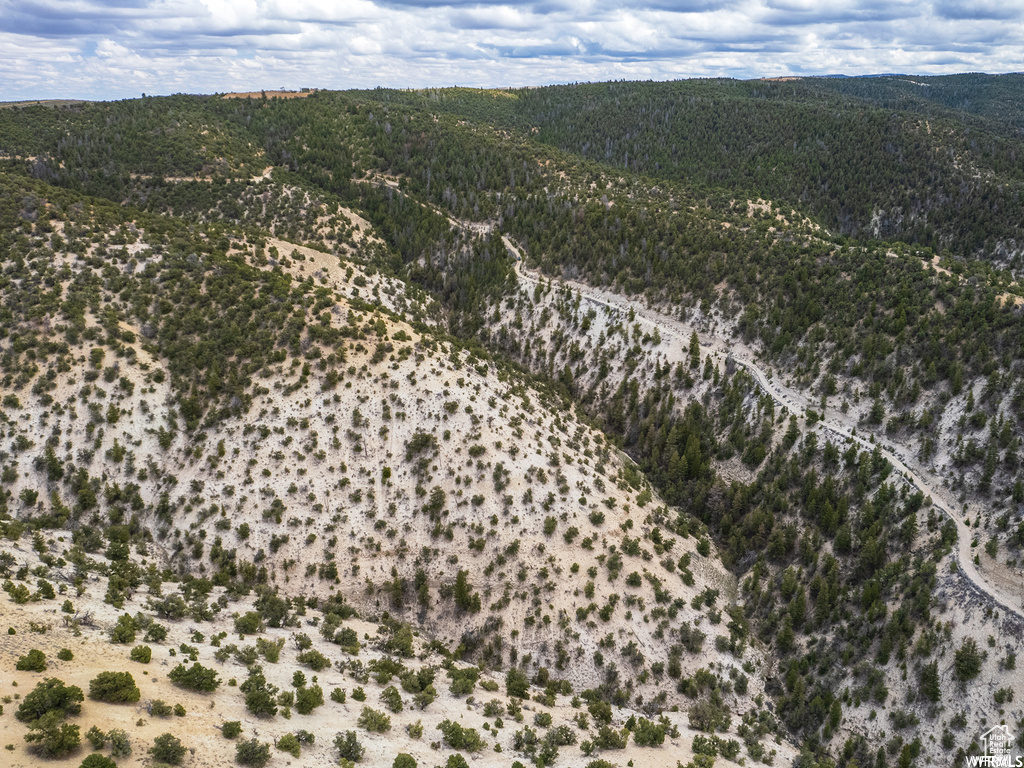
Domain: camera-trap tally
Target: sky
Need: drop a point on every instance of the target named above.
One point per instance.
(113, 49)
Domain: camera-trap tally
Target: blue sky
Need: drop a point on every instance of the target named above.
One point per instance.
(107, 49)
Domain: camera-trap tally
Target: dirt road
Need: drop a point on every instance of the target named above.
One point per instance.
(1001, 588)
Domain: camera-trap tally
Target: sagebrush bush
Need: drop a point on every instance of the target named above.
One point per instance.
(114, 688)
(167, 748)
(33, 661)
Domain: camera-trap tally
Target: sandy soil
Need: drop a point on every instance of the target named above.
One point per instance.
(199, 729)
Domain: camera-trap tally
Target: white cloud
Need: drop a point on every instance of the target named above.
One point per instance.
(118, 48)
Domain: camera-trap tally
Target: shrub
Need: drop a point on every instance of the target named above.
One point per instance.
(96, 737)
(252, 752)
(347, 638)
(648, 734)
(494, 708)
(260, 695)
(542, 719)
(424, 698)
(314, 660)
(231, 729)
(120, 744)
(601, 711)
(373, 721)
(348, 746)
(609, 738)
(289, 743)
(53, 737)
(463, 680)
(463, 592)
(19, 594)
(457, 737)
(402, 760)
(710, 714)
(249, 623)
(308, 699)
(561, 736)
(270, 650)
(419, 680)
(114, 688)
(540, 752)
(272, 608)
(385, 669)
(98, 761)
(400, 642)
(33, 661)
(929, 677)
(338, 695)
(142, 654)
(124, 631)
(160, 708)
(967, 661)
(167, 749)
(65, 654)
(517, 684)
(49, 695)
(712, 746)
(171, 607)
(392, 698)
(195, 678)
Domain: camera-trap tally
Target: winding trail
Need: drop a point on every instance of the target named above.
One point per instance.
(999, 587)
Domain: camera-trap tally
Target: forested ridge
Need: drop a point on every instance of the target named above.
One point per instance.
(863, 155)
(826, 308)
(862, 235)
(934, 161)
